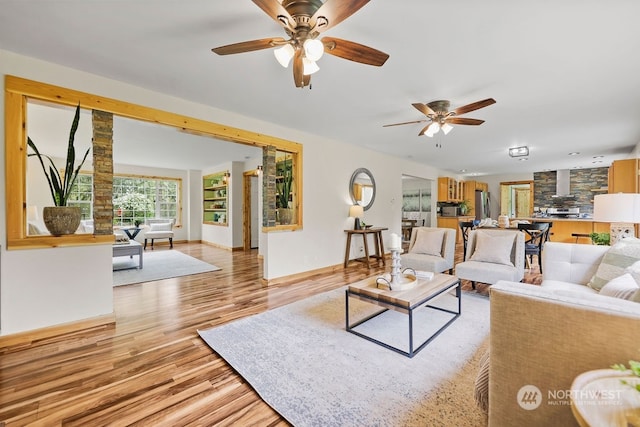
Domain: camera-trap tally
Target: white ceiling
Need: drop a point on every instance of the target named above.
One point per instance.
(565, 75)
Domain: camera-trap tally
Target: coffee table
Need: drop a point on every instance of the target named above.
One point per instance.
(406, 302)
(128, 249)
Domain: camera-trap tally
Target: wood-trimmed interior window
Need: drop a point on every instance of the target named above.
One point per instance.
(18, 89)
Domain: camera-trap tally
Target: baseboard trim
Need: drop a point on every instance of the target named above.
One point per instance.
(29, 337)
(302, 275)
(216, 245)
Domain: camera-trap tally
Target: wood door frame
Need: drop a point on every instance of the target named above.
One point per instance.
(246, 207)
(518, 183)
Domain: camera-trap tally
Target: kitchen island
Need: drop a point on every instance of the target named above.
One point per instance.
(454, 222)
(566, 229)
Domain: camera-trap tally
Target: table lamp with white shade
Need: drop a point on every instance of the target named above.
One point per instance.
(622, 210)
(356, 211)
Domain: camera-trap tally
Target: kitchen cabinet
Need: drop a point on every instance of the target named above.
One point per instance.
(624, 177)
(482, 186)
(454, 222)
(470, 188)
(214, 199)
(450, 189)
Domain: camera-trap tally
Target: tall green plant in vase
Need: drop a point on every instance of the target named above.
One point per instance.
(283, 189)
(61, 219)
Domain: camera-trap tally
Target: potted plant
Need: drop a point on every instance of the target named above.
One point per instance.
(61, 219)
(283, 189)
(600, 238)
(464, 207)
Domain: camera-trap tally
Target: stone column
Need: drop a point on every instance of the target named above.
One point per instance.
(102, 172)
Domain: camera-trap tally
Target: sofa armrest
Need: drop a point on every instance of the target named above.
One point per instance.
(544, 339)
(571, 262)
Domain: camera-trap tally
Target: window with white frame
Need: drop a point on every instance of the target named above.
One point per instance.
(135, 198)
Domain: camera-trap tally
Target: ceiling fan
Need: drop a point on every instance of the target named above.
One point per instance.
(304, 21)
(440, 117)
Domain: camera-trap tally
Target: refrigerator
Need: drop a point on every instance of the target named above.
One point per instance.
(482, 210)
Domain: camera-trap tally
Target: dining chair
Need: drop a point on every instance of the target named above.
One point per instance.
(536, 234)
(465, 227)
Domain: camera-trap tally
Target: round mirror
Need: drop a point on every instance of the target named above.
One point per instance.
(362, 188)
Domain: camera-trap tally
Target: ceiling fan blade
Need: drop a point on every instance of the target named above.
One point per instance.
(422, 132)
(306, 80)
(298, 69)
(463, 121)
(405, 123)
(474, 106)
(274, 9)
(424, 109)
(249, 46)
(335, 11)
(354, 51)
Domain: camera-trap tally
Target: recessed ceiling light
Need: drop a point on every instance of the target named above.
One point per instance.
(598, 157)
(574, 153)
(597, 161)
(524, 159)
(463, 170)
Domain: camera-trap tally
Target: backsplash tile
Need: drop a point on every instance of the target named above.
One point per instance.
(582, 183)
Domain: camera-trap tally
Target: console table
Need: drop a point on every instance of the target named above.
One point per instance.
(376, 232)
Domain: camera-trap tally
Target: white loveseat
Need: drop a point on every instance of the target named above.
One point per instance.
(545, 336)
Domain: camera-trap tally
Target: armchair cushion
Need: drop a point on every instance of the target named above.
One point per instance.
(161, 226)
(428, 242)
(493, 248)
(619, 256)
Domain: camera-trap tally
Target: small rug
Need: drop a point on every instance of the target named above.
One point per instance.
(156, 266)
(302, 362)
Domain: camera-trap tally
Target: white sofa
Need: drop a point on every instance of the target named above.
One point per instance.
(547, 335)
(436, 259)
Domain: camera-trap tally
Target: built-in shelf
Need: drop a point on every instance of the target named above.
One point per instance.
(214, 199)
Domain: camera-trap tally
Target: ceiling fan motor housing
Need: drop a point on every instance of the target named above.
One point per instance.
(441, 108)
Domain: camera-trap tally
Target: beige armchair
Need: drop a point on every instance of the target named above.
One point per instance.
(430, 249)
(159, 229)
(493, 255)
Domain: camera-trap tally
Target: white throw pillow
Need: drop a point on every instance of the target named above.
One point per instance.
(428, 242)
(614, 262)
(493, 248)
(621, 287)
(161, 226)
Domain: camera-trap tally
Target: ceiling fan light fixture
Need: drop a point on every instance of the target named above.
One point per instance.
(284, 54)
(446, 128)
(309, 67)
(313, 49)
(433, 129)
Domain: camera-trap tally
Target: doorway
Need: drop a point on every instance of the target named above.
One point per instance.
(516, 199)
(250, 211)
(416, 204)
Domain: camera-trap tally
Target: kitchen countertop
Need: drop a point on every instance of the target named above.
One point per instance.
(549, 219)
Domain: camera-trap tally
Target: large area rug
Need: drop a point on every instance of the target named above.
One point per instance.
(156, 266)
(303, 363)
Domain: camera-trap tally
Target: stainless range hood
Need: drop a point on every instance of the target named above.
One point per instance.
(563, 184)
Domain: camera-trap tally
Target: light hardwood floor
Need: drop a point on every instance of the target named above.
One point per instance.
(152, 368)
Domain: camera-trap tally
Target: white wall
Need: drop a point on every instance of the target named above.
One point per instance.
(319, 244)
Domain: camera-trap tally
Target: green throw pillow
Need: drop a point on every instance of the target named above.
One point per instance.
(620, 256)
